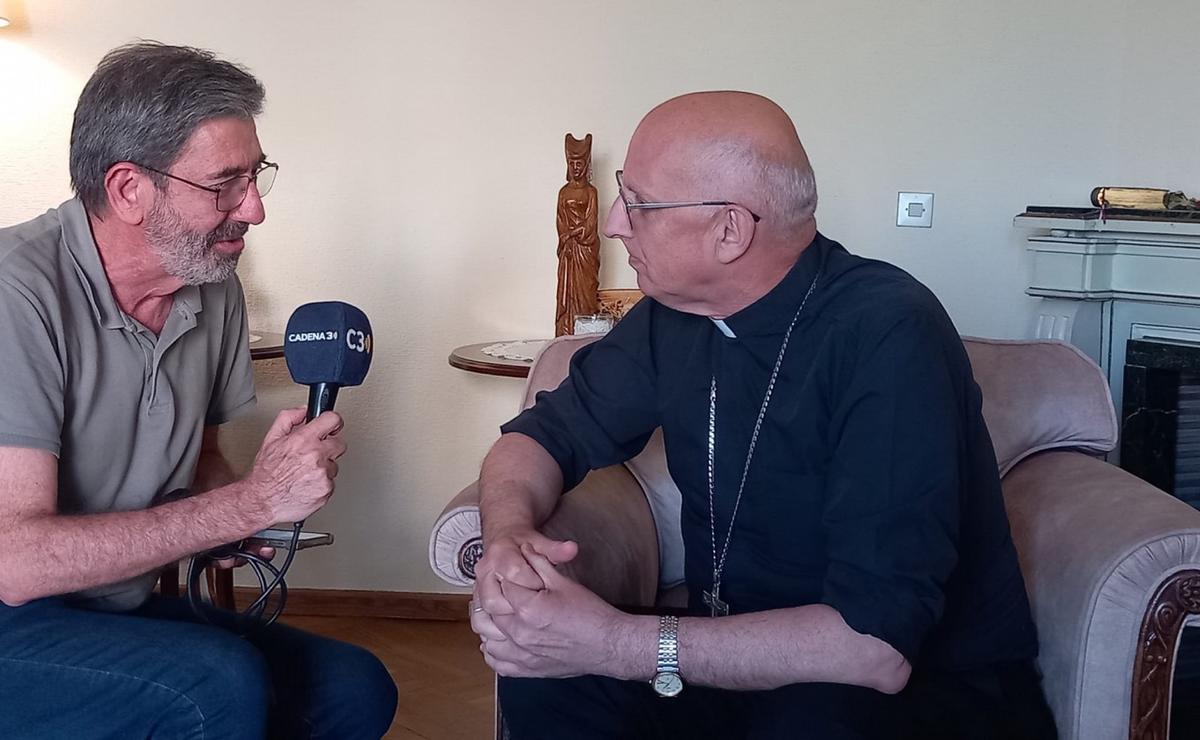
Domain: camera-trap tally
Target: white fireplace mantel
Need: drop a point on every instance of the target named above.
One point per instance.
(1103, 282)
(1090, 259)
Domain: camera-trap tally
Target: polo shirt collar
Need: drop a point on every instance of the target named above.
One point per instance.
(188, 299)
(77, 235)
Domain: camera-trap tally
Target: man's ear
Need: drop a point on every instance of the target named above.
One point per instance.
(733, 232)
(129, 192)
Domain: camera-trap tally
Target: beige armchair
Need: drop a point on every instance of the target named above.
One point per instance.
(1112, 564)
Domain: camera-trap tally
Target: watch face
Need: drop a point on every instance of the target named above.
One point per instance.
(667, 684)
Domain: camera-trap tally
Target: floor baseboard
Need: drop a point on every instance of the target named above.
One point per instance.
(330, 602)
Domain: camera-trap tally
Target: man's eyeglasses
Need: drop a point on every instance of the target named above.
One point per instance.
(631, 206)
(232, 192)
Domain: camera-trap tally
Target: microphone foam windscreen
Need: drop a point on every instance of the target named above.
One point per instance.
(328, 342)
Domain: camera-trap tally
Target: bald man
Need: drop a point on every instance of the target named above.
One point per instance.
(848, 559)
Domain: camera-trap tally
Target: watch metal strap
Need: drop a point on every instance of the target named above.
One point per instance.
(668, 644)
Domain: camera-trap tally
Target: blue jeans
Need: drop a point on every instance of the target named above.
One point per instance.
(158, 672)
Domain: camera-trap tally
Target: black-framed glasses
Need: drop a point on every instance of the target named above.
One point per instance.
(651, 206)
(232, 192)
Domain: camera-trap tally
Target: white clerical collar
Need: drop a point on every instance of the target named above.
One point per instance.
(724, 328)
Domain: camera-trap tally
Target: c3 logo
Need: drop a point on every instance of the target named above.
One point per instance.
(358, 341)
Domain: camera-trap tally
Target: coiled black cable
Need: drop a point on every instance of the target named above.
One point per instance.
(252, 617)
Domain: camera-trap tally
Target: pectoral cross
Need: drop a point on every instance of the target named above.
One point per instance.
(713, 600)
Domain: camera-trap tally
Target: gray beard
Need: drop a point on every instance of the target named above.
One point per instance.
(189, 255)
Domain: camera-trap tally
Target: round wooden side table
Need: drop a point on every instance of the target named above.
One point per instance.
(471, 358)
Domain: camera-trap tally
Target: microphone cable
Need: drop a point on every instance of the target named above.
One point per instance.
(252, 617)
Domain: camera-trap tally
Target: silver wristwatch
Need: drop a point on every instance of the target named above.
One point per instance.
(667, 681)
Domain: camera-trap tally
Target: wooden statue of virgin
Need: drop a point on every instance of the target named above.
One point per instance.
(578, 239)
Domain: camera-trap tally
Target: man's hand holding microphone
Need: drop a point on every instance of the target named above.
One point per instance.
(295, 468)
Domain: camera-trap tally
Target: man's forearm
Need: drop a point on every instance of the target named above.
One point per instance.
(763, 650)
(519, 486)
(54, 554)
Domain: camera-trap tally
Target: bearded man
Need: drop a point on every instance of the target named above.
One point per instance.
(125, 347)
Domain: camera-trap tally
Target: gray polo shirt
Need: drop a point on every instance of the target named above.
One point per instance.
(122, 409)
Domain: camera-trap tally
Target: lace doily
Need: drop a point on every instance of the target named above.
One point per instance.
(525, 349)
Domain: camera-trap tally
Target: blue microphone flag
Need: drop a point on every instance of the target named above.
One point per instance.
(328, 342)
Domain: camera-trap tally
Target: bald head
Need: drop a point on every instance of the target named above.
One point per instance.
(732, 146)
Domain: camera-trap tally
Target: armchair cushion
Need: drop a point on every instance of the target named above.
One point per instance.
(1041, 395)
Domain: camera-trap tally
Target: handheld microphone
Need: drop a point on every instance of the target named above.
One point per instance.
(327, 345)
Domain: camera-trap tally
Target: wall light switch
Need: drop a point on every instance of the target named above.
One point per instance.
(915, 209)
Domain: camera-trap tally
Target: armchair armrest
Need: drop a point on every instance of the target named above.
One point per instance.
(1105, 557)
(607, 514)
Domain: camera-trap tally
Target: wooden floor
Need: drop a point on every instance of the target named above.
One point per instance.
(446, 690)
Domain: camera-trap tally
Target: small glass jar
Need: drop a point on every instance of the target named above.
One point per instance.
(593, 323)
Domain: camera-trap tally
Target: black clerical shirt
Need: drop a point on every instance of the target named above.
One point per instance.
(874, 486)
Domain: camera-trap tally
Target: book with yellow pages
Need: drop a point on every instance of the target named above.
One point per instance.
(1145, 199)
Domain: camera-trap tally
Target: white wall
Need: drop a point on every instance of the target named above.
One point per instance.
(421, 152)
